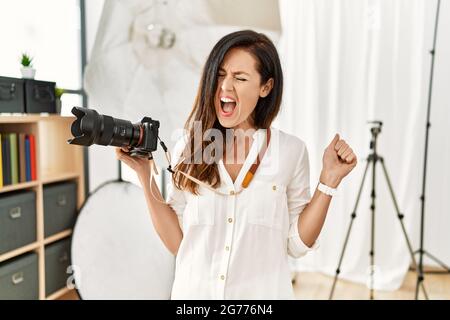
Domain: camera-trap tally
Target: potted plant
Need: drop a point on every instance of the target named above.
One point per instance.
(58, 93)
(27, 69)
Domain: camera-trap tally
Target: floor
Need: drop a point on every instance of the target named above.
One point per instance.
(317, 286)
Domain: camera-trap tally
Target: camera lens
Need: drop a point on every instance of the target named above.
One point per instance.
(90, 127)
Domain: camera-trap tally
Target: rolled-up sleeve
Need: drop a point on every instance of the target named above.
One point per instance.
(298, 196)
(176, 198)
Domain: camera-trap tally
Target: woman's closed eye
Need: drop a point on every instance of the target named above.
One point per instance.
(237, 78)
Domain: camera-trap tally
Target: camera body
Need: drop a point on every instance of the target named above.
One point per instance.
(149, 141)
(90, 127)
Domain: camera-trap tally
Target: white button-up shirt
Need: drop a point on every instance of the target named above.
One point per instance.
(236, 246)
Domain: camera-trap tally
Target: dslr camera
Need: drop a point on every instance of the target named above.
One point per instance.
(90, 127)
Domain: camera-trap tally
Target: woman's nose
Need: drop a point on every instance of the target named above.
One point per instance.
(227, 84)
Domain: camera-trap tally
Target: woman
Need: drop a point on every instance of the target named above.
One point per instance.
(240, 201)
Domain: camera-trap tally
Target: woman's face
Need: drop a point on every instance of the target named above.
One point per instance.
(238, 89)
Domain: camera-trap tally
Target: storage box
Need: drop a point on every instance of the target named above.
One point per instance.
(19, 278)
(40, 96)
(17, 220)
(57, 260)
(12, 95)
(59, 207)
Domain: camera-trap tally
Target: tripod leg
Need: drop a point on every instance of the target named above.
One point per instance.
(442, 264)
(420, 284)
(372, 231)
(353, 216)
(400, 217)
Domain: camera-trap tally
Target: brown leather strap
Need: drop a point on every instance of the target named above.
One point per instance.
(251, 172)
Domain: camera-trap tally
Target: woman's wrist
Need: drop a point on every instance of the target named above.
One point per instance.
(330, 179)
(144, 180)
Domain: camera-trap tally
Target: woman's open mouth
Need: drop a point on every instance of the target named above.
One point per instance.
(227, 106)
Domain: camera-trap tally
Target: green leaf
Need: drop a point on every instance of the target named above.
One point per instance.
(59, 92)
(26, 60)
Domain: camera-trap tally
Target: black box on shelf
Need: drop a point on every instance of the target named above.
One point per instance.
(12, 98)
(17, 220)
(40, 96)
(57, 260)
(60, 207)
(19, 278)
(27, 96)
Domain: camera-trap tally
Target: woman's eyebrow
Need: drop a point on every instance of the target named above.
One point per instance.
(236, 72)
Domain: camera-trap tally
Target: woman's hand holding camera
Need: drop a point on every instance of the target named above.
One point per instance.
(140, 165)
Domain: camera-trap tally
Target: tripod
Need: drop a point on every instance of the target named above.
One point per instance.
(373, 158)
(421, 251)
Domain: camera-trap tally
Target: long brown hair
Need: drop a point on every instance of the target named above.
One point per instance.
(267, 108)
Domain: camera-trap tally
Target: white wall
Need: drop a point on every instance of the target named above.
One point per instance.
(93, 13)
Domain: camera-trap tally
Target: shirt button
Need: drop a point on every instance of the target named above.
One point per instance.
(230, 220)
(227, 248)
(274, 187)
(222, 277)
(232, 192)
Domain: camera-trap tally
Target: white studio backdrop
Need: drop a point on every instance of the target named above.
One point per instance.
(347, 62)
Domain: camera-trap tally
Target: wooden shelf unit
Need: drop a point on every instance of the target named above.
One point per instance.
(56, 161)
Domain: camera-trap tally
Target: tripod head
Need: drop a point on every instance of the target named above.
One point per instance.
(376, 127)
(375, 130)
